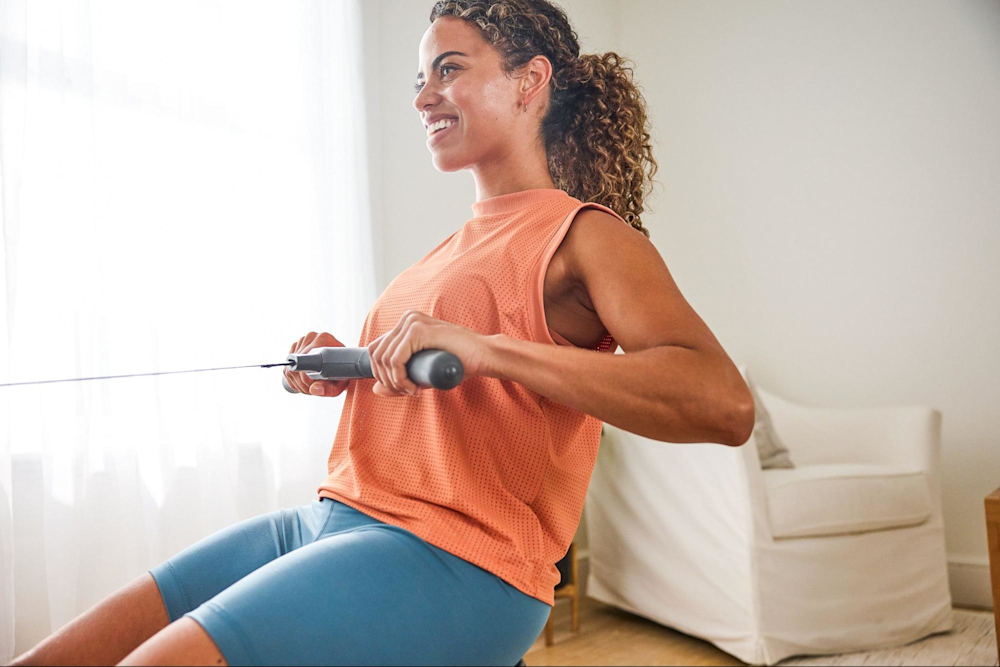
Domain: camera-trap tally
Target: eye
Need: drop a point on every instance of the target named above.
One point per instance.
(418, 86)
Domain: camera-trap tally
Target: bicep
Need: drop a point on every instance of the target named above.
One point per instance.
(630, 287)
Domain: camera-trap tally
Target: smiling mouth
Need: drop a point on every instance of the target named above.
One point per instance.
(442, 130)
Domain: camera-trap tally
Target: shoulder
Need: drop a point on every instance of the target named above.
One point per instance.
(597, 238)
(631, 289)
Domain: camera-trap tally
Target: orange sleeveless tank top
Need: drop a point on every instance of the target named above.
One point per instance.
(489, 471)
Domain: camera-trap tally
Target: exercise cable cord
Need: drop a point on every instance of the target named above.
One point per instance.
(428, 367)
(109, 377)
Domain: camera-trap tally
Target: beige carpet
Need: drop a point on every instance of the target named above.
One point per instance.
(971, 642)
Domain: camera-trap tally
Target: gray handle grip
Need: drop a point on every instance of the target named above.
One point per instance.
(427, 368)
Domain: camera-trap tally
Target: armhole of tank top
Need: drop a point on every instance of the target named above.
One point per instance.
(536, 284)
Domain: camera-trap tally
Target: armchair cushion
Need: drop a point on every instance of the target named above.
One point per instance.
(772, 451)
(834, 499)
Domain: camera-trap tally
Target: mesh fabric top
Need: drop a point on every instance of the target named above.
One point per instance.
(489, 471)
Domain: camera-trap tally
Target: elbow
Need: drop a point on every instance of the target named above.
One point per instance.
(731, 427)
(742, 420)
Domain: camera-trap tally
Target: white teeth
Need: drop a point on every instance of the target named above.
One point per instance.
(441, 124)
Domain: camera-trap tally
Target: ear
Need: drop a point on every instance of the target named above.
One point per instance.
(537, 74)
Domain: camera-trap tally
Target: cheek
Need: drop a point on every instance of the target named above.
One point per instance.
(489, 108)
(485, 124)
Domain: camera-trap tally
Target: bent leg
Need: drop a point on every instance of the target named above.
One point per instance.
(107, 632)
(372, 595)
(214, 563)
(115, 627)
(181, 643)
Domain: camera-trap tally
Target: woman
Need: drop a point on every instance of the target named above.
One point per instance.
(436, 531)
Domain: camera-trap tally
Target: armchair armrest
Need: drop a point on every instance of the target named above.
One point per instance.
(907, 436)
(899, 435)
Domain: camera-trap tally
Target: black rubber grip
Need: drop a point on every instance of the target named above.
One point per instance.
(427, 368)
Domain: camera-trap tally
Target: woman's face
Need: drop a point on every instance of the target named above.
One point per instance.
(471, 89)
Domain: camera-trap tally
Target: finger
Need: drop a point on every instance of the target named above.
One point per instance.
(390, 341)
(383, 386)
(293, 380)
(331, 388)
(305, 344)
(371, 361)
(392, 355)
(290, 375)
(373, 353)
(285, 371)
(327, 388)
(398, 352)
(327, 340)
(301, 381)
(309, 344)
(398, 359)
(334, 389)
(308, 341)
(382, 390)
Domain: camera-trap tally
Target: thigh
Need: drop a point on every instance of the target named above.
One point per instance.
(212, 564)
(372, 595)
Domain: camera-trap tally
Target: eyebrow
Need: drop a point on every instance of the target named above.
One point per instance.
(437, 61)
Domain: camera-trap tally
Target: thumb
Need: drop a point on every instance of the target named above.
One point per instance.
(327, 388)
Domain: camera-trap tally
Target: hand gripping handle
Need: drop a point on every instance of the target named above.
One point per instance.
(426, 368)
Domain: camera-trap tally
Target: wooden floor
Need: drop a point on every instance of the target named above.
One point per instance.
(611, 636)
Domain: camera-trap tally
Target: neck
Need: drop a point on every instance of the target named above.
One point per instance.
(513, 173)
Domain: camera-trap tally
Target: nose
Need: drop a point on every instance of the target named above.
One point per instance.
(424, 98)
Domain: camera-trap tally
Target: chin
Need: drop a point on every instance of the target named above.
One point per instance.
(447, 163)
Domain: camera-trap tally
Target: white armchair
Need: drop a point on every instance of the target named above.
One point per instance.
(845, 552)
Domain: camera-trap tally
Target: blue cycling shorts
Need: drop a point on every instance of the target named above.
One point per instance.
(325, 584)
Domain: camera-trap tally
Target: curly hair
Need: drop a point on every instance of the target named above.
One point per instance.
(595, 130)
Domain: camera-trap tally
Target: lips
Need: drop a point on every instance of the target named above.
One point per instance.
(437, 135)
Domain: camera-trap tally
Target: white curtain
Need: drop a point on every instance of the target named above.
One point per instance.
(183, 187)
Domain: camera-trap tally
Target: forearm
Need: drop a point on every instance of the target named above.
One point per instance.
(667, 393)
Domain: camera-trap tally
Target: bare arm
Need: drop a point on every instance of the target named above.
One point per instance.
(666, 393)
(675, 383)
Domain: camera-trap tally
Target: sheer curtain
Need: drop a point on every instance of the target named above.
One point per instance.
(183, 186)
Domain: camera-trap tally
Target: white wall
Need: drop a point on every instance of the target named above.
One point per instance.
(421, 206)
(828, 199)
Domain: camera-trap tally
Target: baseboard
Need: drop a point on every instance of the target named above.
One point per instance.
(968, 578)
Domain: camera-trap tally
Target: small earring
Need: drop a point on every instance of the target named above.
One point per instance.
(524, 107)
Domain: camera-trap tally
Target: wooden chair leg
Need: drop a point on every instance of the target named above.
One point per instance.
(570, 590)
(576, 612)
(548, 629)
(574, 570)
